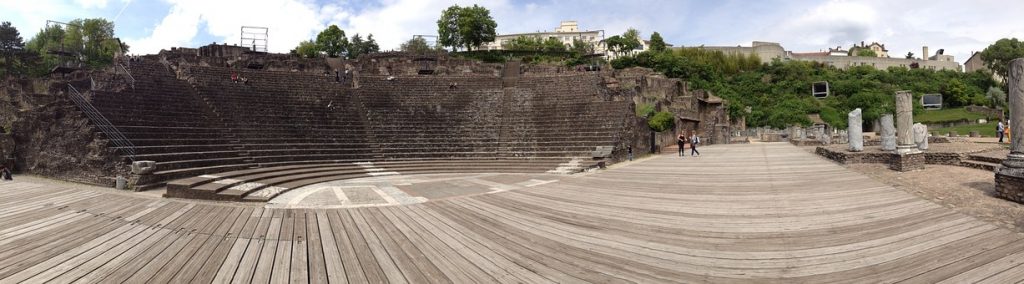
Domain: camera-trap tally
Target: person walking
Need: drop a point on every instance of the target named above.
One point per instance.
(999, 131)
(681, 141)
(694, 140)
(629, 151)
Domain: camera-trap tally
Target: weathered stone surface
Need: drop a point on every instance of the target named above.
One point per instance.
(921, 136)
(1010, 177)
(904, 124)
(854, 131)
(907, 162)
(143, 167)
(888, 133)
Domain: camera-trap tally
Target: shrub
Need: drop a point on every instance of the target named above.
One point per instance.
(645, 110)
(662, 121)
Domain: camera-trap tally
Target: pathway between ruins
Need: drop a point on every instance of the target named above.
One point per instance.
(741, 213)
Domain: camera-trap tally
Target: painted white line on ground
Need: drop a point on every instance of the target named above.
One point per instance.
(340, 194)
(536, 182)
(387, 197)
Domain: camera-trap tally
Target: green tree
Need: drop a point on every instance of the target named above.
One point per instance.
(864, 52)
(581, 48)
(307, 49)
(658, 43)
(332, 41)
(467, 27)
(996, 97)
(998, 55)
(910, 55)
(50, 38)
(553, 45)
(11, 47)
(358, 46)
(416, 45)
(523, 43)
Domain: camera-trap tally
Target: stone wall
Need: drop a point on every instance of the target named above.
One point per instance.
(52, 137)
(695, 110)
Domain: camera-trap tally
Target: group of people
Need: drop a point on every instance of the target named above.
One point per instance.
(1003, 131)
(5, 172)
(693, 140)
(235, 78)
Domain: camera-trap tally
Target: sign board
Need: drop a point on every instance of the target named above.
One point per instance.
(933, 101)
(820, 89)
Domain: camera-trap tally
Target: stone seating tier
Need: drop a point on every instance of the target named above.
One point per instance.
(262, 184)
(207, 124)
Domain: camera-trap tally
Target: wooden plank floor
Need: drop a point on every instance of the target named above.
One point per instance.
(741, 213)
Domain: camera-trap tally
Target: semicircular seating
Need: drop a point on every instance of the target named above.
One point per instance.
(217, 139)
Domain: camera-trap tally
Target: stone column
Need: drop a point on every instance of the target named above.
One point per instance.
(905, 123)
(888, 133)
(921, 136)
(1010, 177)
(854, 132)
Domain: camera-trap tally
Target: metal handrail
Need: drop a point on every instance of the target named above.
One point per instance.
(131, 79)
(104, 125)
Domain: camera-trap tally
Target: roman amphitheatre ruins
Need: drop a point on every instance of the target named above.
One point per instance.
(213, 164)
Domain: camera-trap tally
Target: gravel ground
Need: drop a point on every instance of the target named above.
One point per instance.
(969, 191)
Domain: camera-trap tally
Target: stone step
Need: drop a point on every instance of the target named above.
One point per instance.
(980, 165)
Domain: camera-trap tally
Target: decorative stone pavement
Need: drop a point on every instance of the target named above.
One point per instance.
(394, 189)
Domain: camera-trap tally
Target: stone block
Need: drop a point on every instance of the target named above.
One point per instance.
(953, 134)
(1010, 184)
(975, 134)
(907, 162)
(143, 167)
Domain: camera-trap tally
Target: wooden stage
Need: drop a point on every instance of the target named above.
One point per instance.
(741, 213)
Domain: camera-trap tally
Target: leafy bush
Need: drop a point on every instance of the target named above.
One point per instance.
(662, 121)
(644, 110)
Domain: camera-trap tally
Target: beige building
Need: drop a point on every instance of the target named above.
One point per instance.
(567, 32)
(878, 48)
(975, 63)
(769, 51)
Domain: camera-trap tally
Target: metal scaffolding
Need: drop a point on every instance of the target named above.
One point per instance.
(254, 38)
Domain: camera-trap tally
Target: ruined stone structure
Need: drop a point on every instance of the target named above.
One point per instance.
(1010, 177)
(695, 110)
(888, 133)
(856, 136)
(295, 122)
(908, 156)
(921, 136)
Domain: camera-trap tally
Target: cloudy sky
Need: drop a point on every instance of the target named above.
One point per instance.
(959, 27)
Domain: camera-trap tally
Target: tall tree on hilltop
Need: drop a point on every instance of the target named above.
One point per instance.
(332, 41)
(11, 45)
(416, 45)
(467, 27)
(358, 46)
(998, 55)
(307, 49)
(658, 43)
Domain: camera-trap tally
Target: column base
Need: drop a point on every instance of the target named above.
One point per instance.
(1010, 183)
(907, 162)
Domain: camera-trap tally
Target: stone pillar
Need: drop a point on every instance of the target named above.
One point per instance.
(906, 157)
(888, 133)
(1010, 177)
(921, 136)
(854, 132)
(905, 123)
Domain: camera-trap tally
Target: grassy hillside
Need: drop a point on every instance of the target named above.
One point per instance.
(946, 115)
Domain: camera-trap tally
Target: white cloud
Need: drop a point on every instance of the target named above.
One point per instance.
(290, 21)
(92, 3)
(902, 26)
